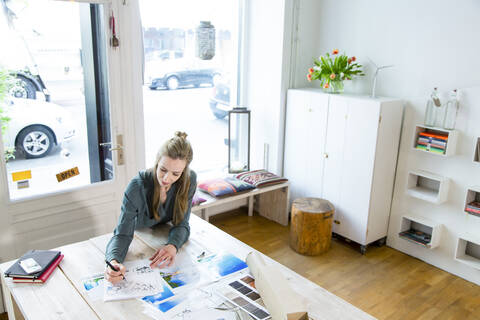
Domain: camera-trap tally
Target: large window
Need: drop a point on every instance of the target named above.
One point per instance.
(56, 121)
(182, 92)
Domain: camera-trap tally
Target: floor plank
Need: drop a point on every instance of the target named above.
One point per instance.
(384, 282)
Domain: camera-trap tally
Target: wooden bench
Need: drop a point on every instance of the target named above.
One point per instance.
(270, 202)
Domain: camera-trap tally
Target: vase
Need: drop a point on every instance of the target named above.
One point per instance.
(336, 86)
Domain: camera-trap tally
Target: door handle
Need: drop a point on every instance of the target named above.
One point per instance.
(116, 147)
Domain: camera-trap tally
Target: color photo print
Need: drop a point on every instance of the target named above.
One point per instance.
(242, 293)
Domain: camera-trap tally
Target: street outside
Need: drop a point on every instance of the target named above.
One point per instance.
(165, 111)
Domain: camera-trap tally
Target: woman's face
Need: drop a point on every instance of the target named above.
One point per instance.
(169, 170)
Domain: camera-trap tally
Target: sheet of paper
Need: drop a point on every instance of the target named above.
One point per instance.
(93, 286)
(140, 280)
(222, 265)
(183, 306)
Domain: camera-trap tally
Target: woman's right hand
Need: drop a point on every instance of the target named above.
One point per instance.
(115, 276)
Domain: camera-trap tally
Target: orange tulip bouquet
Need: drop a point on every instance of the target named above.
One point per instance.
(333, 69)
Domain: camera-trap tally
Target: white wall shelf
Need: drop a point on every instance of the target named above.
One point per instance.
(451, 145)
(473, 194)
(476, 152)
(468, 251)
(428, 186)
(427, 228)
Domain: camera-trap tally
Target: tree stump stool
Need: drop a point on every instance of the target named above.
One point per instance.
(311, 226)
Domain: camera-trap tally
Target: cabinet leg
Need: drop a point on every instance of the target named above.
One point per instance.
(381, 242)
(363, 249)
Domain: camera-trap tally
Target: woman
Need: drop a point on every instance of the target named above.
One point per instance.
(157, 195)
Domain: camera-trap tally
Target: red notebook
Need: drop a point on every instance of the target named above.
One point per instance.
(44, 276)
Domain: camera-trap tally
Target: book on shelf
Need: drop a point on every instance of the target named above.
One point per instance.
(44, 276)
(473, 207)
(428, 140)
(433, 135)
(430, 149)
(42, 259)
(416, 236)
(474, 204)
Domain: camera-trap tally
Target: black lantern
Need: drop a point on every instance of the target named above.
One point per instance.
(238, 140)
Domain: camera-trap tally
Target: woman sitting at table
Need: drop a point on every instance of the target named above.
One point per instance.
(157, 195)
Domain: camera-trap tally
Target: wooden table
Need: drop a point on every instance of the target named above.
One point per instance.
(62, 297)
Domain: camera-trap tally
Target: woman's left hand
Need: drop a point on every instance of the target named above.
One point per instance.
(163, 257)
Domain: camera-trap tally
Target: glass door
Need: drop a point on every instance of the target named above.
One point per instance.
(70, 135)
(183, 92)
(56, 124)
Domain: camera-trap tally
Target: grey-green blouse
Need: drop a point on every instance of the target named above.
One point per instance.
(136, 213)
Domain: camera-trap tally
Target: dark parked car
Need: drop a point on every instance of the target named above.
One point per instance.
(172, 80)
(220, 100)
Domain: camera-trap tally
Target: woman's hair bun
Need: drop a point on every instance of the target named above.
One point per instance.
(181, 134)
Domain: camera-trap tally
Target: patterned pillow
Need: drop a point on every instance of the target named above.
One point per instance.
(197, 199)
(260, 178)
(224, 186)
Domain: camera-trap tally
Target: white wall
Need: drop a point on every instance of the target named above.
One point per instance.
(432, 44)
(267, 62)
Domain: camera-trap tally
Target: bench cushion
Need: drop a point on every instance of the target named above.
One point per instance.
(224, 186)
(197, 199)
(260, 178)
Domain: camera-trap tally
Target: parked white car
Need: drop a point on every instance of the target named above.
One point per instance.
(35, 126)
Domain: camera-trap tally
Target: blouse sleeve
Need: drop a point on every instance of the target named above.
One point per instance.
(117, 247)
(179, 234)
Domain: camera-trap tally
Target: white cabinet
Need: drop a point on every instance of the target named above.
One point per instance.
(343, 148)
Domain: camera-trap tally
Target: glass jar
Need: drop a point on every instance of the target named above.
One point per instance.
(432, 109)
(336, 86)
(451, 111)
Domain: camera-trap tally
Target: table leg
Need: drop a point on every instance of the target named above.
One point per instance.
(250, 206)
(13, 311)
(273, 205)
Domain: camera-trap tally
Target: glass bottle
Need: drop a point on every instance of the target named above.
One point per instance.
(433, 104)
(451, 111)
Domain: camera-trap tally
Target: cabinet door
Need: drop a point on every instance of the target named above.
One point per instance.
(334, 149)
(352, 175)
(304, 142)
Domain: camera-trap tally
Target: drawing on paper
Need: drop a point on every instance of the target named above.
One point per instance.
(224, 265)
(140, 281)
(181, 278)
(164, 293)
(93, 282)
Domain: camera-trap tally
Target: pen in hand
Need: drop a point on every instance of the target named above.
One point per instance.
(113, 268)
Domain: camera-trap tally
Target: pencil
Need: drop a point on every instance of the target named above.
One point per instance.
(113, 268)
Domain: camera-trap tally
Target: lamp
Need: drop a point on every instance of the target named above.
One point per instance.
(205, 41)
(238, 140)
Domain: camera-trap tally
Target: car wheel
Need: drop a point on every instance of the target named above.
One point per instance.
(220, 114)
(23, 88)
(35, 142)
(172, 83)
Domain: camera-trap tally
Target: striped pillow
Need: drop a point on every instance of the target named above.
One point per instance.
(260, 178)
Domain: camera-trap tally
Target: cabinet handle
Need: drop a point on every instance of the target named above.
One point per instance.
(325, 155)
(336, 221)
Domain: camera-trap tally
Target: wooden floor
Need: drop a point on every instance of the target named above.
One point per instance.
(384, 282)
